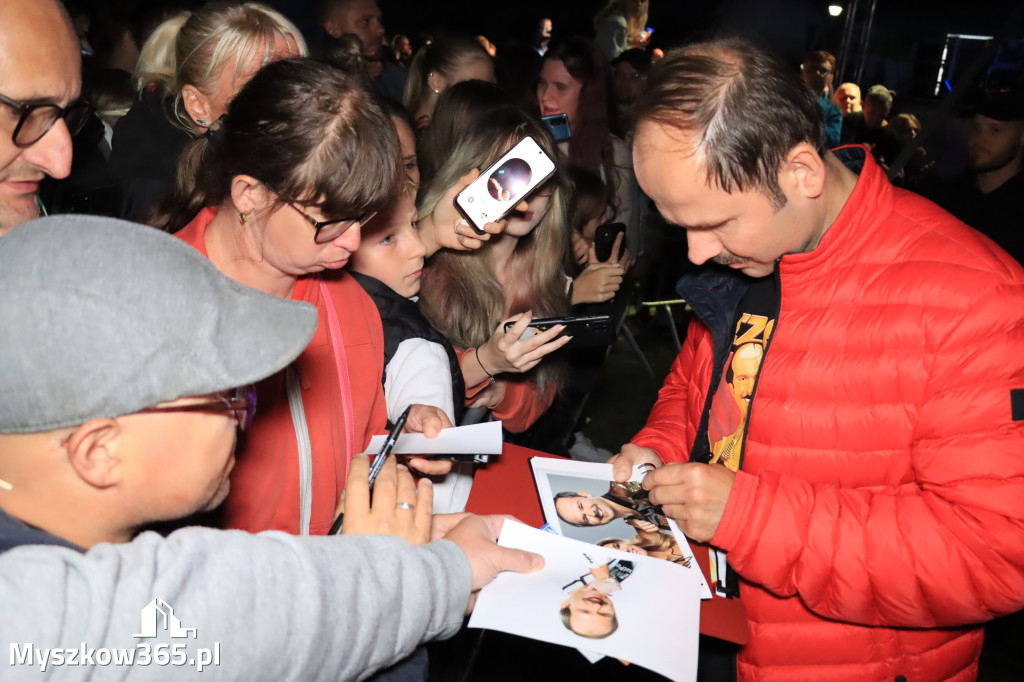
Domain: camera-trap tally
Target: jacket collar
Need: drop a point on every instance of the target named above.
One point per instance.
(714, 292)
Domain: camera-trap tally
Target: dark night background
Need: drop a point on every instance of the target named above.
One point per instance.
(903, 52)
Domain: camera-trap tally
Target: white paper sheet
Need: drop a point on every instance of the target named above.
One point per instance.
(475, 439)
(657, 606)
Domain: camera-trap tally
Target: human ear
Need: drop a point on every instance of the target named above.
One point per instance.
(197, 105)
(249, 195)
(564, 605)
(333, 27)
(436, 82)
(803, 172)
(92, 452)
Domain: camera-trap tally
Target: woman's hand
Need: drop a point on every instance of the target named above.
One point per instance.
(504, 352)
(445, 228)
(580, 248)
(598, 283)
(428, 420)
(619, 256)
(400, 506)
(491, 396)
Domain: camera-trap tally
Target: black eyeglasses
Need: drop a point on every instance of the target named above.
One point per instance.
(35, 120)
(329, 230)
(241, 401)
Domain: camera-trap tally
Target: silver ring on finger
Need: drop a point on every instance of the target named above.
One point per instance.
(405, 505)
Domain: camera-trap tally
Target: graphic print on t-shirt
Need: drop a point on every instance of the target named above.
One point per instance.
(730, 407)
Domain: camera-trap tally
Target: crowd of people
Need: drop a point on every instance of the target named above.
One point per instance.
(297, 273)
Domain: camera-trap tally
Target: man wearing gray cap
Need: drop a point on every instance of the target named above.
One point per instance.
(121, 352)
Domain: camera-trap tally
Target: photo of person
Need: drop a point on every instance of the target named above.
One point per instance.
(625, 606)
(509, 180)
(588, 609)
(580, 501)
(649, 541)
(627, 501)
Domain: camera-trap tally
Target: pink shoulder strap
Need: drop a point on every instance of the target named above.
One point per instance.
(341, 361)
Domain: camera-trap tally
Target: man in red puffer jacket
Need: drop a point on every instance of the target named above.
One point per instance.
(846, 418)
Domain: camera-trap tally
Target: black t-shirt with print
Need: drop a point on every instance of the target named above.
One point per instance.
(728, 410)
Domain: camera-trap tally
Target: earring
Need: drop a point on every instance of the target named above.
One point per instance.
(437, 91)
(242, 218)
(203, 122)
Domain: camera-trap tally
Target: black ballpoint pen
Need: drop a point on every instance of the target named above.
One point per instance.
(378, 461)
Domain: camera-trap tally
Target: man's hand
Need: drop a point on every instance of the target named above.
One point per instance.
(429, 421)
(400, 506)
(693, 494)
(629, 456)
(477, 536)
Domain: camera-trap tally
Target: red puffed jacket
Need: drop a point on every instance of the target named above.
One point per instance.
(878, 519)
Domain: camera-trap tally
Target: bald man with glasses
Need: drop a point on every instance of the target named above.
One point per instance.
(40, 81)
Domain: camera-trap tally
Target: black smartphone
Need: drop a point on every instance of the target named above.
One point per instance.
(604, 240)
(588, 330)
(558, 124)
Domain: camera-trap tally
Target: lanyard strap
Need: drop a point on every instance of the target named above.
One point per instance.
(341, 361)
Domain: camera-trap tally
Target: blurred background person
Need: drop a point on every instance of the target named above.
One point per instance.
(542, 37)
(450, 59)
(575, 81)
(870, 127)
(989, 196)
(401, 48)
(216, 51)
(363, 19)
(629, 73)
(817, 70)
(848, 98)
(620, 25)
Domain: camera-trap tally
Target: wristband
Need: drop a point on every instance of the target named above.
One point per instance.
(476, 353)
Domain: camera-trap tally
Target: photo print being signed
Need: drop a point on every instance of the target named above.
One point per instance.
(509, 180)
(580, 501)
(626, 606)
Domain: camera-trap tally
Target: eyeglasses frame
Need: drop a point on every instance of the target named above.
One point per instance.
(25, 110)
(319, 225)
(241, 401)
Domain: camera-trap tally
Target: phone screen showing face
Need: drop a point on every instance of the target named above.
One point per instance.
(505, 183)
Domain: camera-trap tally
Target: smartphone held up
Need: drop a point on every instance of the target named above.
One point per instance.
(504, 184)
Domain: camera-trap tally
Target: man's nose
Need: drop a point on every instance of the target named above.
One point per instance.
(52, 152)
(702, 246)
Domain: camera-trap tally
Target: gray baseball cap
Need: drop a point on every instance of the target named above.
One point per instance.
(102, 317)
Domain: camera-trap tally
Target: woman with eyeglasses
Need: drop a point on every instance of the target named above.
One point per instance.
(275, 196)
(516, 275)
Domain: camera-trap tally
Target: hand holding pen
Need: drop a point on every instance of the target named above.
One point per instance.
(399, 505)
